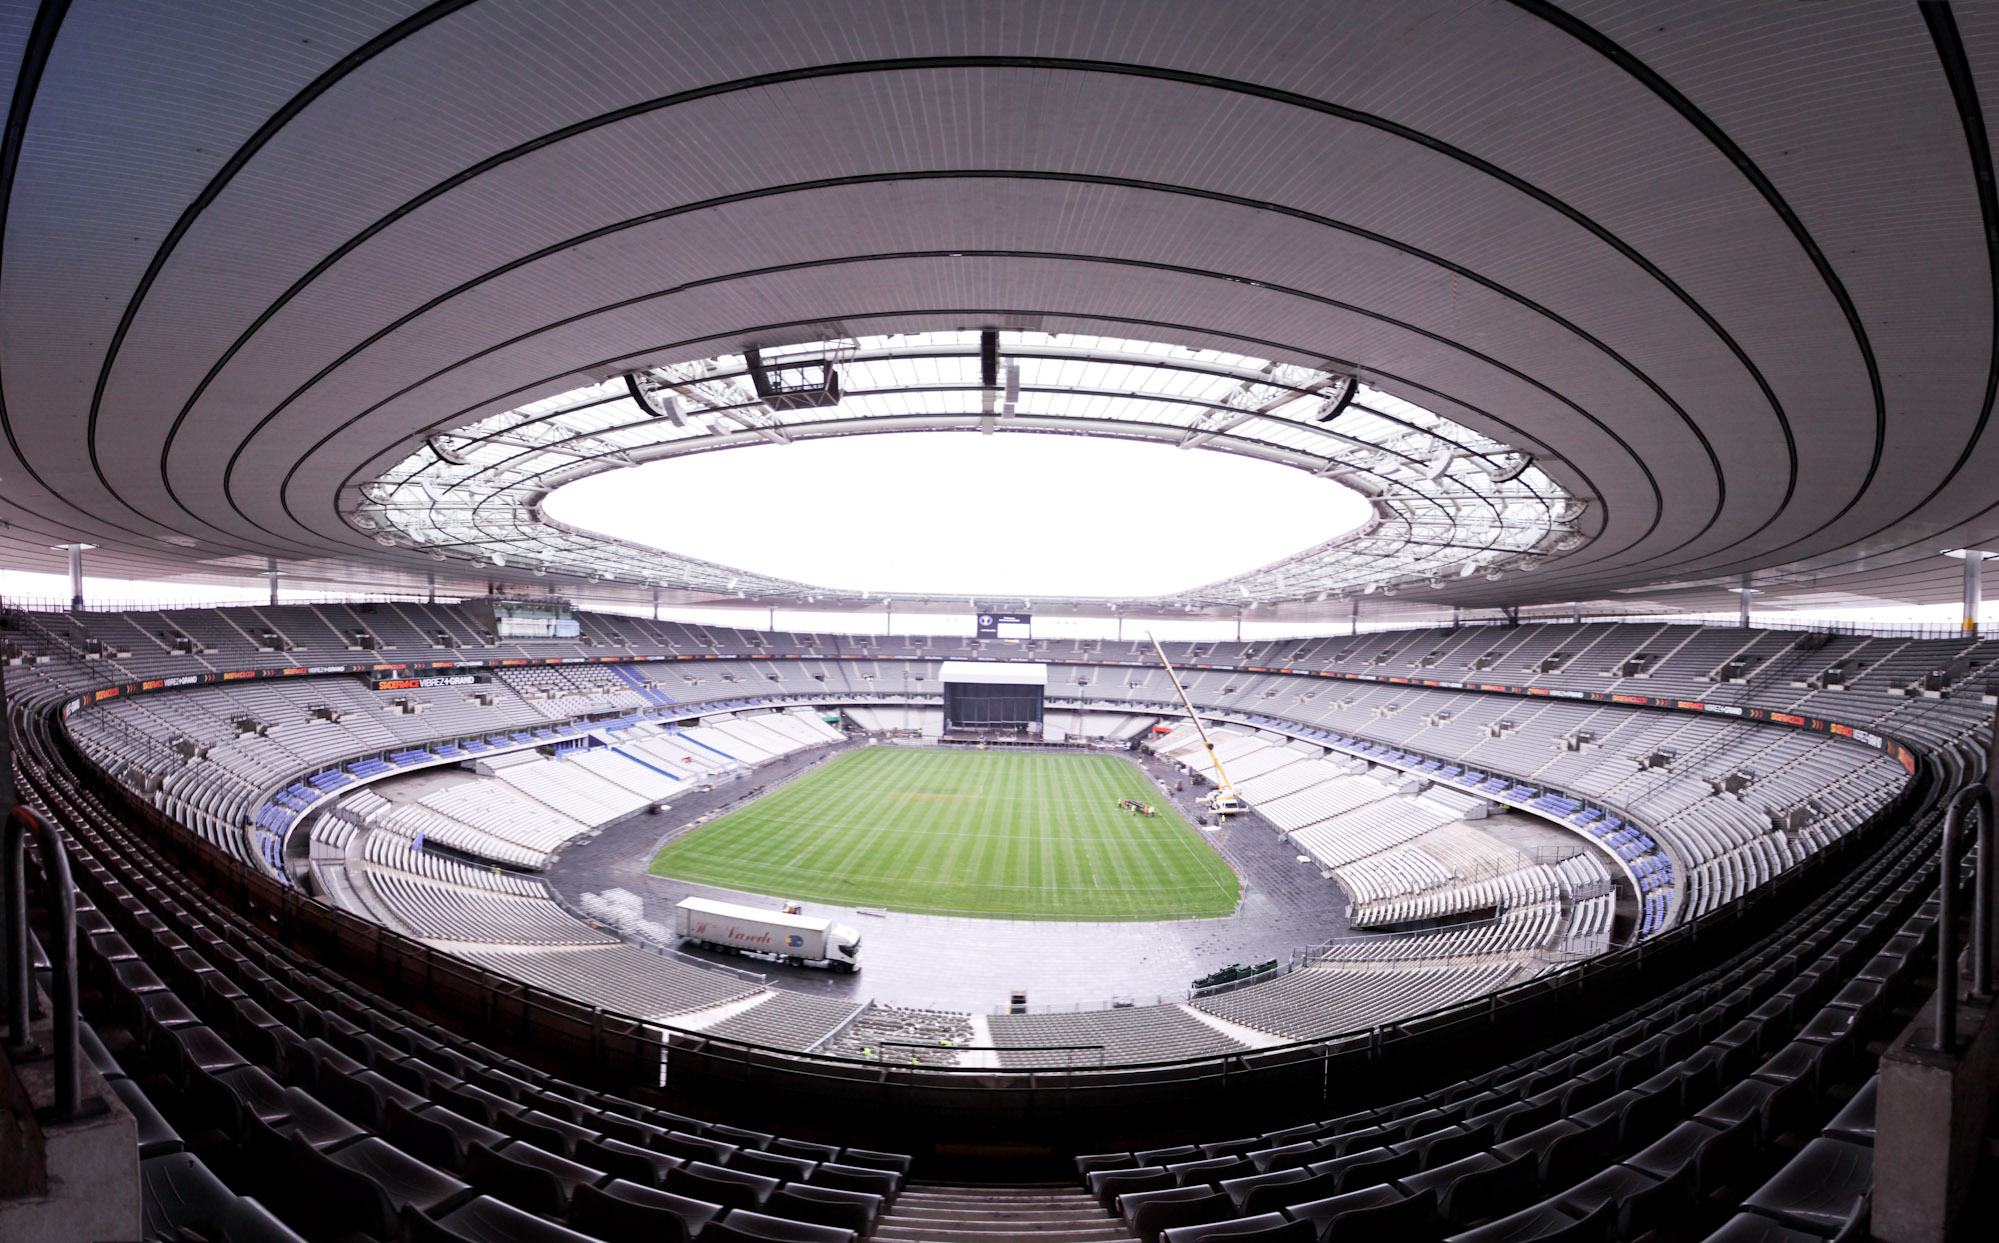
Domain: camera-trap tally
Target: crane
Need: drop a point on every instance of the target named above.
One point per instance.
(1224, 801)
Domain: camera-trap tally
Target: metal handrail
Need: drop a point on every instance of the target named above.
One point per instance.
(1982, 794)
(1981, 932)
(20, 985)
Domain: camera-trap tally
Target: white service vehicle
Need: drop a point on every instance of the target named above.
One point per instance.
(797, 939)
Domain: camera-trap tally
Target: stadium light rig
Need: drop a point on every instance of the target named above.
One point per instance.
(1224, 801)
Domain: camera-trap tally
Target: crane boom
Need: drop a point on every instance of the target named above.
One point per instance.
(1227, 786)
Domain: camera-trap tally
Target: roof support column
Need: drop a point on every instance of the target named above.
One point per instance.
(75, 552)
(272, 574)
(1744, 592)
(1974, 589)
(430, 584)
(1576, 613)
(1353, 627)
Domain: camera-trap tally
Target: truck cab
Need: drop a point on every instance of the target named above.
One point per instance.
(843, 948)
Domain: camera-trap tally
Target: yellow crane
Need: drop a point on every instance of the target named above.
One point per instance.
(1224, 801)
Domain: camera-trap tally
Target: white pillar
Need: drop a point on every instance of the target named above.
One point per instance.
(1576, 613)
(430, 586)
(1745, 592)
(1353, 625)
(75, 552)
(1974, 589)
(655, 604)
(271, 574)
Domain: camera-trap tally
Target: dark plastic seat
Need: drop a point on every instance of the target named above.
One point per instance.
(231, 1096)
(1208, 1171)
(96, 1054)
(627, 1161)
(435, 1134)
(1241, 1189)
(545, 1130)
(478, 1103)
(179, 1193)
(1639, 1200)
(314, 1124)
(1292, 1156)
(1167, 1156)
(1129, 1204)
(630, 1130)
(1263, 1228)
(1574, 1155)
(1772, 1107)
(826, 1206)
(829, 1152)
(368, 1183)
(1820, 1188)
(1158, 1215)
(527, 1177)
(1476, 1187)
(1756, 1228)
(896, 1162)
(696, 1148)
(1798, 1060)
(157, 1138)
(734, 1189)
(185, 1050)
(1444, 1147)
(775, 1164)
(366, 1095)
(624, 1210)
(1374, 1215)
(881, 1182)
(744, 1226)
(1854, 1123)
(1108, 1185)
(1544, 1223)
(486, 1220)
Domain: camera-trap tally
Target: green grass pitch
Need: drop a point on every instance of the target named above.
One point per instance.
(988, 833)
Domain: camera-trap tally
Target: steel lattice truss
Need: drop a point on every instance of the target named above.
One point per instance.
(1447, 501)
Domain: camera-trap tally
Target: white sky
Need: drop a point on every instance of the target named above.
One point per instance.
(949, 512)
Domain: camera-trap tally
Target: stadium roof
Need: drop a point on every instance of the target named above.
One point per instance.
(1448, 502)
(1725, 272)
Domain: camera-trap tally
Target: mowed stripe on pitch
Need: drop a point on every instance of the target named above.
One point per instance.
(963, 832)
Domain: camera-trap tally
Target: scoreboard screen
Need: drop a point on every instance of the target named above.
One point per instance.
(1005, 625)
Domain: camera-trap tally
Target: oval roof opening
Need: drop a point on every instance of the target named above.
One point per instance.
(946, 513)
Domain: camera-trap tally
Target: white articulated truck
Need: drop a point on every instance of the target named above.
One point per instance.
(746, 930)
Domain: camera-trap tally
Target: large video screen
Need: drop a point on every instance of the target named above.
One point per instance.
(1005, 625)
(971, 705)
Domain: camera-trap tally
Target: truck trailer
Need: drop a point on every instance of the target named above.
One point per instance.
(797, 939)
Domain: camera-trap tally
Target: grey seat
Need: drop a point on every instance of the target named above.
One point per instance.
(1819, 1189)
(626, 1210)
(826, 1206)
(1262, 1228)
(744, 1226)
(485, 1220)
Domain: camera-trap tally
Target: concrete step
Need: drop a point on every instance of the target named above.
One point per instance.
(1020, 1213)
(975, 1203)
(972, 1208)
(1012, 1219)
(1107, 1232)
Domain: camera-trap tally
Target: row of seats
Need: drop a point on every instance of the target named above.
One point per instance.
(339, 1107)
(1643, 1122)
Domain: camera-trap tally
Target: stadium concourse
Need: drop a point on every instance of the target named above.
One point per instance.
(1348, 621)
